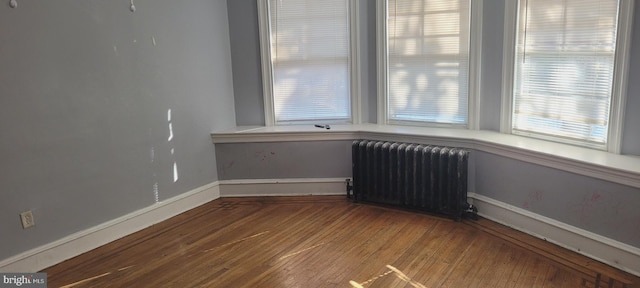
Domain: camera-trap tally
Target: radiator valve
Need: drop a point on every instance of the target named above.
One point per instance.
(472, 211)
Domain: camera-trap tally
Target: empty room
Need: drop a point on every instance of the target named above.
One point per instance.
(320, 143)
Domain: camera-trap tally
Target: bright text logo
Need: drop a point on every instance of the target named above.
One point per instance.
(23, 280)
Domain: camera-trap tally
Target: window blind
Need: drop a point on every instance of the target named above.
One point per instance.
(310, 59)
(564, 65)
(428, 60)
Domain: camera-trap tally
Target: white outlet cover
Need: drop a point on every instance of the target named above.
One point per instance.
(27, 219)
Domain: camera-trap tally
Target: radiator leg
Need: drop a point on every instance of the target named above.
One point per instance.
(349, 188)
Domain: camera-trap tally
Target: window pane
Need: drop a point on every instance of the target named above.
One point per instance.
(564, 67)
(310, 59)
(428, 60)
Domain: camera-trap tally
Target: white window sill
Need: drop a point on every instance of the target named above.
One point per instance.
(622, 169)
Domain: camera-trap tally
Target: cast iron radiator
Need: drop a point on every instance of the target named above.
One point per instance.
(421, 177)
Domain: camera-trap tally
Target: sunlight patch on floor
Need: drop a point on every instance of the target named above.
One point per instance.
(95, 277)
(298, 252)
(394, 270)
(236, 241)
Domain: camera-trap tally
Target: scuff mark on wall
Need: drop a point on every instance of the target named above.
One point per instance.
(587, 206)
(263, 155)
(594, 207)
(532, 199)
(227, 166)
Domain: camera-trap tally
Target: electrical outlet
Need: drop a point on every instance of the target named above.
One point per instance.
(27, 219)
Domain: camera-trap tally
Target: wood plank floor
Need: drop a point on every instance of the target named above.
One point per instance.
(328, 242)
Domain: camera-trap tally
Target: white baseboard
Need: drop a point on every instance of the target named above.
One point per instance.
(614, 253)
(75, 244)
(617, 254)
(283, 187)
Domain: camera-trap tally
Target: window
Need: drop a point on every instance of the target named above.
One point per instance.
(425, 56)
(307, 60)
(565, 64)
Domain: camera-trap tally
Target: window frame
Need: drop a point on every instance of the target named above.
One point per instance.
(267, 67)
(475, 66)
(619, 85)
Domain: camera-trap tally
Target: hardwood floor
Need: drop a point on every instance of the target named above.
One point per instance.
(328, 242)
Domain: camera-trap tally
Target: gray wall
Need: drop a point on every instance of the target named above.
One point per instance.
(84, 101)
(318, 159)
(491, 72)
(368, 72)
(245, 53)
(631, 135)
(605, 208)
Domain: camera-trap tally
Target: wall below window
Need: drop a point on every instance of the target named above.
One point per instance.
(602, 207)
(323, 159)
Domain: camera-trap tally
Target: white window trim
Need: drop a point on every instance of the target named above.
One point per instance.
(475, 65)
(356, 77)
(508, 50)
(265, 55)
(620, 75)
(267, 69)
